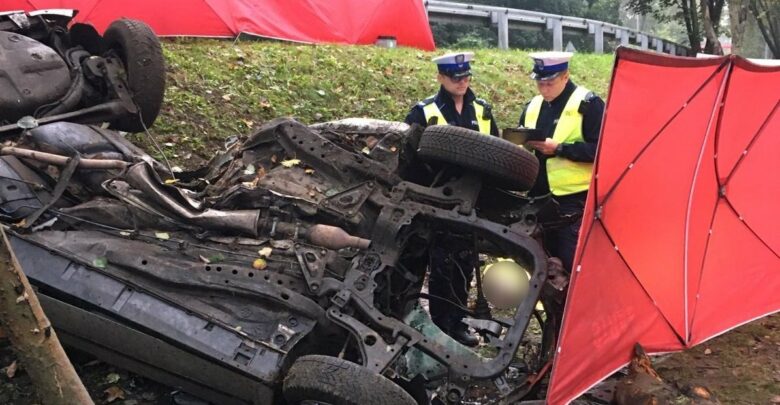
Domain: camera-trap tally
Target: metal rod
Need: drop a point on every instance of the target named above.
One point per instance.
(60, 160)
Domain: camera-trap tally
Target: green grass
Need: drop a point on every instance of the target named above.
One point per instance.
(217, 89)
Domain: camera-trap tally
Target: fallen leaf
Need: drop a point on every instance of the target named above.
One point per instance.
(113, 393)
(707, 351)
(321, 92)
(162, 235)
(701, 392)
(216, 258)
(291, 162)
(169, 144)
(10, 371)
(265, 252)
(273, 159)
(112, 378)
(177, 169)
(21, 298)
(226, 97)
(259, 264)
(125, 233)
(170, 181)
(309, 171)
(100, 262)
(204, 260)
(250, 169)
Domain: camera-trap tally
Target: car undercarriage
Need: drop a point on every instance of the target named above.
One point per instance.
(301, 251)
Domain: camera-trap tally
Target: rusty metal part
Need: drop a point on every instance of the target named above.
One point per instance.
(59, 160)
(333, 237)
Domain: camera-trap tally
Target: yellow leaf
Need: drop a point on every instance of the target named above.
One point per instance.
(291, 162)
(309, 171)
(259, 264)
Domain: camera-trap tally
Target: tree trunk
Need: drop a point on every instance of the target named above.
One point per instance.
(690, 15)
(738, 21)
(33, 338)
(710, 32)
(767, 14)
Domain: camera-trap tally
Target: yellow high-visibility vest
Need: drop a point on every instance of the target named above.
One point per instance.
(432, 110)
(565, 176)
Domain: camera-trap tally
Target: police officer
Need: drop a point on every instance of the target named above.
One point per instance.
(453, 259)
(570, 117)
(455, 103)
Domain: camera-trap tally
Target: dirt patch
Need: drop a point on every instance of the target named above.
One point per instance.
(740, 367)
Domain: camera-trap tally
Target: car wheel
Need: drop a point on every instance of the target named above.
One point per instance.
(329, 380)
(138, 47)
(501, 162)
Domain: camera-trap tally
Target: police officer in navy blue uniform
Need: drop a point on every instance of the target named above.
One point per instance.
(455, 103)
(570, 116)
(453, 259)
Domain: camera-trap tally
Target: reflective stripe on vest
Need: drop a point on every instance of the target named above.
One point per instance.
(565, 176)
(432, 110)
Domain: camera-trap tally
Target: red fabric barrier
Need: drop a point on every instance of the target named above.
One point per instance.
(679, 240)
(311, 21)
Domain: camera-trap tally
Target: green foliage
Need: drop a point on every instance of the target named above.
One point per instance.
(217, 89)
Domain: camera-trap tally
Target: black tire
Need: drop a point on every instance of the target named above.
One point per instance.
(501, 162)
(138, 47)
(339, 382)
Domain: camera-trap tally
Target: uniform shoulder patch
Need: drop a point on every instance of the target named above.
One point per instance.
(482, 102)
(426, 101)
(585, 103)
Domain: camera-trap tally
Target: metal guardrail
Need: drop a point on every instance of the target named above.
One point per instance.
(506, 18)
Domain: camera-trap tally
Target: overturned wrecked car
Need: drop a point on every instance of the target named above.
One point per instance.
(54, 70)
(290, 269)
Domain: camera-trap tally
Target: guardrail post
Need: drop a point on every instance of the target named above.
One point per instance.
(659, 44)
(642, 40)
(501, 18)
(598, 36)
(556, 26)
(623, 36)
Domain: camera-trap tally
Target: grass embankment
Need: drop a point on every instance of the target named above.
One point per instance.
(217, 89)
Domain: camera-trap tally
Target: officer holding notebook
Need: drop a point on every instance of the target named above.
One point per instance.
(569, 117)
